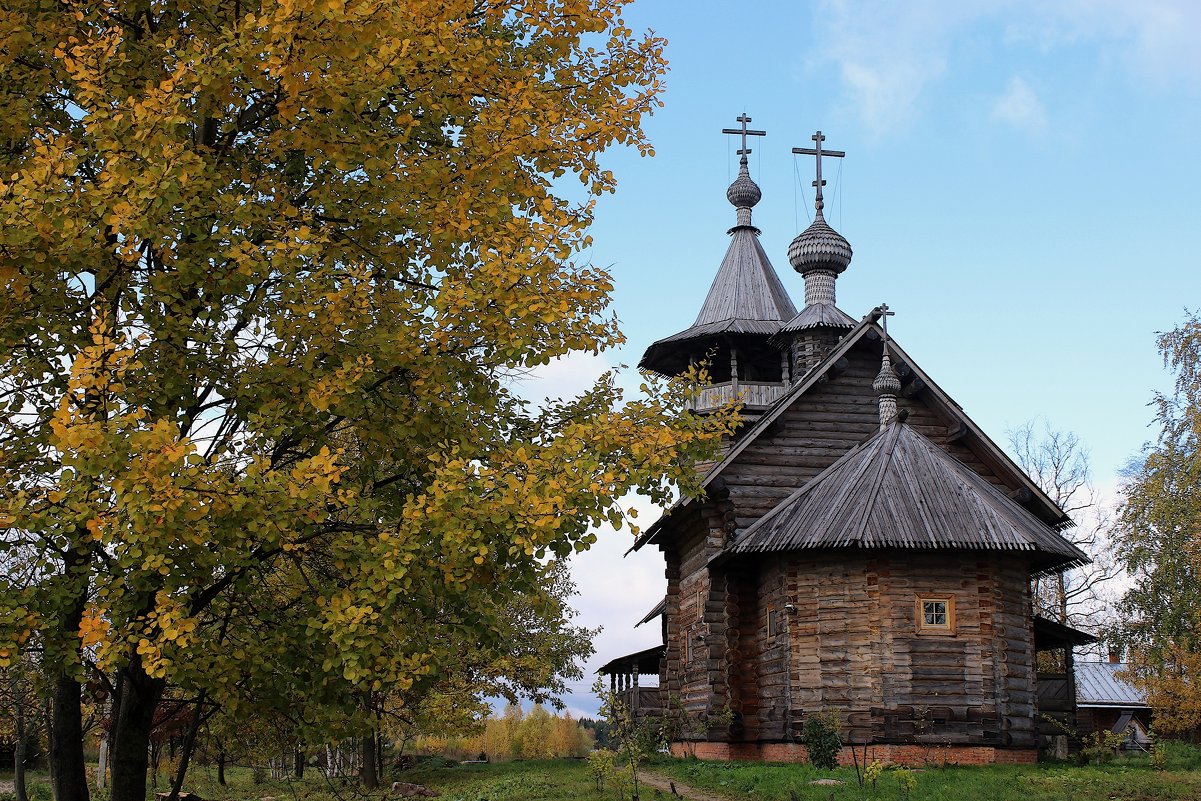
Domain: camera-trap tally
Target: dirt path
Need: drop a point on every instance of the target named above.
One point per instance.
(683, 791)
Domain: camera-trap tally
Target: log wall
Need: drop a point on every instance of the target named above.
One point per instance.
(853, 645)
(849, 642)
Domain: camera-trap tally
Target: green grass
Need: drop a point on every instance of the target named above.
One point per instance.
(512, 781)
(506, 781)
(1130, 779)
(37, 784)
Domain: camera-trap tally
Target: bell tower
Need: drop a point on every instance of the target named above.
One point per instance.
(745, 308)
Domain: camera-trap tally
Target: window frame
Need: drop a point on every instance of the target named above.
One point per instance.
(922, 627)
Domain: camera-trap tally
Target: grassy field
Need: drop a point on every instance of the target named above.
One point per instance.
(508, 781)
(1132, 779)
(1128, 779)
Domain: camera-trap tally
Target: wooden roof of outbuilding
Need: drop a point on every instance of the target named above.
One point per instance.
(659, 609)
(1051, 634)
(900, 490)
(746, 297)
(642, 662)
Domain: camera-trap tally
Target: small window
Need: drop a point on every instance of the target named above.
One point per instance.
(773, 622)
(935, 615)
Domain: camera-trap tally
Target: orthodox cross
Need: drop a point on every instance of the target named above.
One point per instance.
(819, 152)
(744, 132)
(884, 315)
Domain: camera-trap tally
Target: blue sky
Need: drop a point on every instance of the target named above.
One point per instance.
(1022, 186)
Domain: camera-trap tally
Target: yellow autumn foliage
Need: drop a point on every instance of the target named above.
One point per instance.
(265, 270)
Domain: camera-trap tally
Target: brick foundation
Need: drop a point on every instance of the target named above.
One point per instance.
(912, 755)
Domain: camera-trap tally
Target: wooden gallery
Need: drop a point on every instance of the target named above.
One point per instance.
(861, 546)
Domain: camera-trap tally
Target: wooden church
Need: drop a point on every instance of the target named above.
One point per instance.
(861, 546)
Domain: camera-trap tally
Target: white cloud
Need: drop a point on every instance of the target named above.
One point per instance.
(565, 377)
(1020, 107)
(615, 592)
(888, 55)
(1160, 40)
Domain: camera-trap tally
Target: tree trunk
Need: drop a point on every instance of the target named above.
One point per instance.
(298, 763)
(102, 766)
(48, 721)
(133, 720)
(69, 778)
(186, 749)
(367, 772)
(19, 746)
(221, 768)
(66, 743)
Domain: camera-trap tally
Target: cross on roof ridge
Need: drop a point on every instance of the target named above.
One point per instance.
(884, 315)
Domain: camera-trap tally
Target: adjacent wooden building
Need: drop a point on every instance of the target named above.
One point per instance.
(861, 545)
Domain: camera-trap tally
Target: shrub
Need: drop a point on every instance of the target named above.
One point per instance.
(602, 763)
(907, 780)
(822, 739)
(1101, 747)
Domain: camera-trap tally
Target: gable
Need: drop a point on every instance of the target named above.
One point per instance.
(832, 409)
(816, 430)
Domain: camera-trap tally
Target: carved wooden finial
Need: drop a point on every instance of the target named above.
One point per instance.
(886, 385)
(743, 193)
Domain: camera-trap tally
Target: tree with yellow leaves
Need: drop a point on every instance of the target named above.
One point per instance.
(264, 269)
(1159, 528)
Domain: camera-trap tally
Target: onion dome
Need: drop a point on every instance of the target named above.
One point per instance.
(886, 382)
(819, 247)
(743, 193)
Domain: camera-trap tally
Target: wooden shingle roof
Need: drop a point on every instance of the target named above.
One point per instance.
(818, 314)
(643, 662)
(746, 297)
(746, 286)
(659, 609)
(900, 490)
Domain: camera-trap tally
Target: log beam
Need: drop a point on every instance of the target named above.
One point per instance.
(913, 388)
